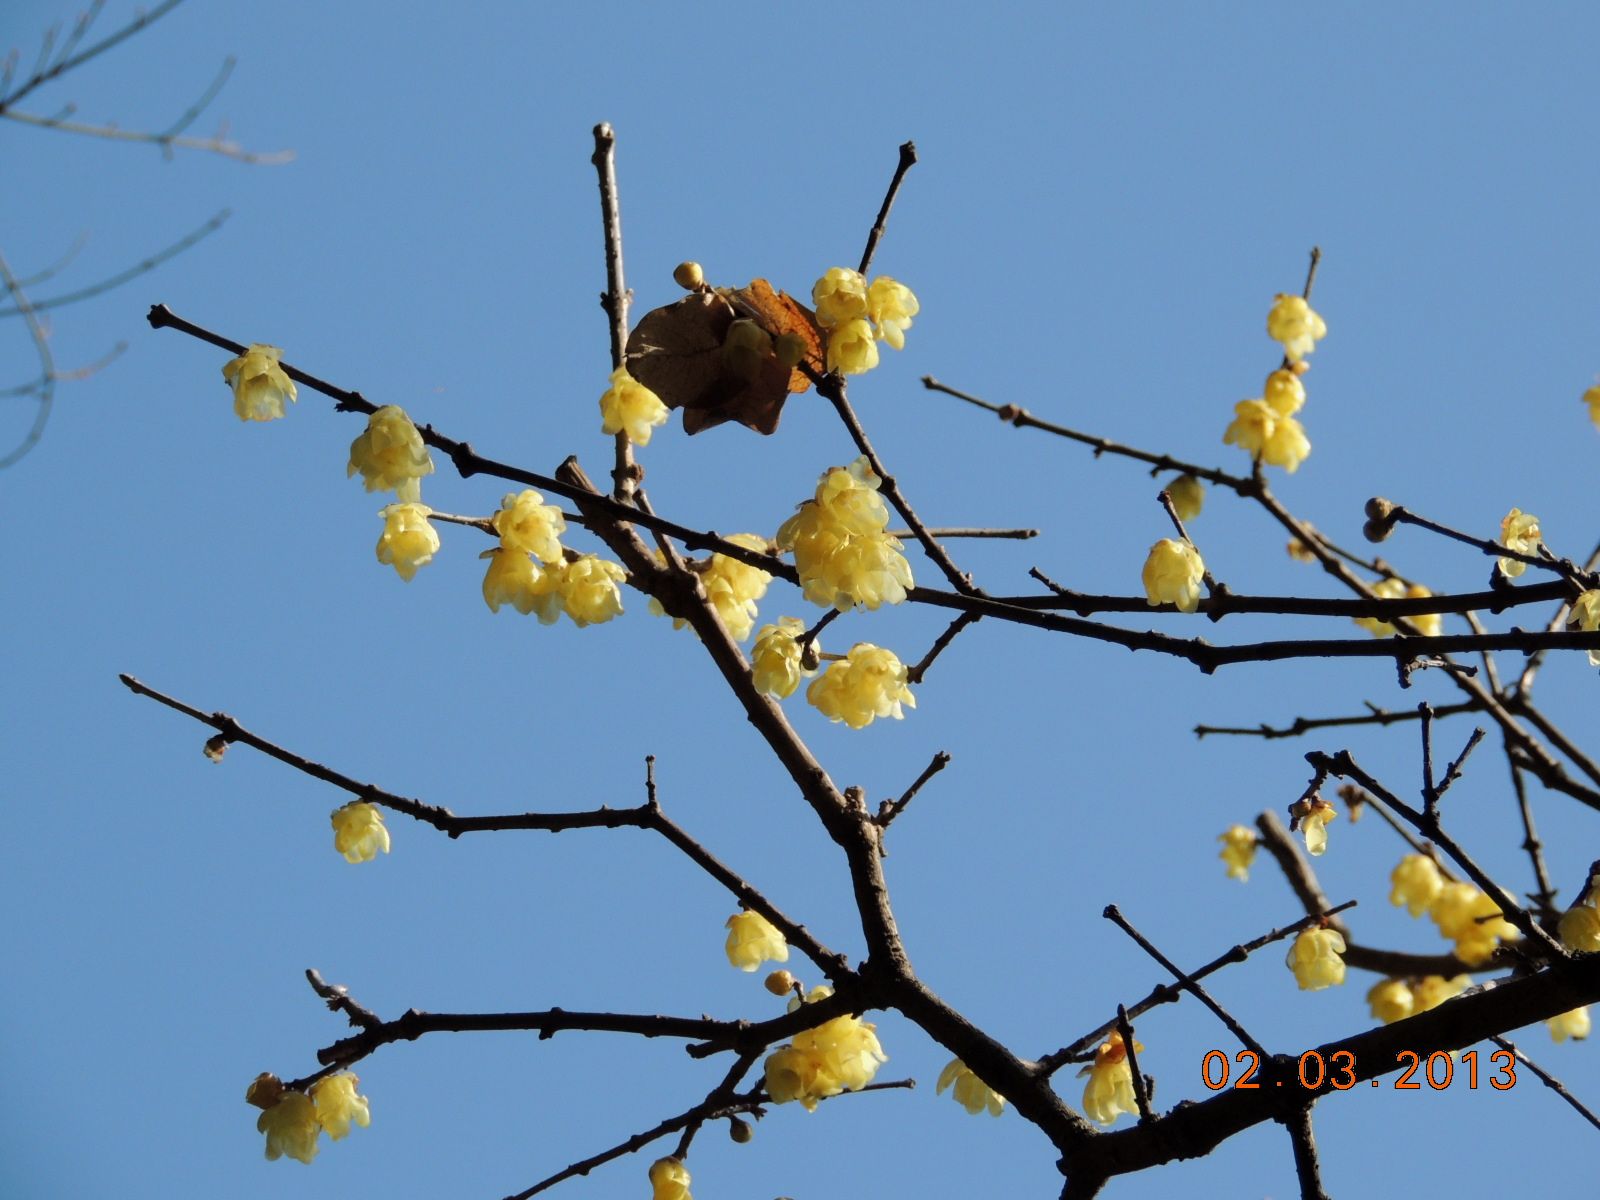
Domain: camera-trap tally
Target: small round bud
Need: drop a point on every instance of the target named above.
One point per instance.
(779, 983)
(264, 1090)
(689, 276)
(811, 656)
(791, 349)
(1377, 531)
(740, 1131)
(1379, 509)
(1301, 367)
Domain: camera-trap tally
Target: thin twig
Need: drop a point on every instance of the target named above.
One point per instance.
(968, 531)
(915, 673)
(1141, 1095)
(44, 75)
(1303, 725)
(890, 809)
(1549, 1080)
(1544, 895)
(616, 297)
(908, 158)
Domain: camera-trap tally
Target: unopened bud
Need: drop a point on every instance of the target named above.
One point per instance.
(779, 983)
(1379, 509)
(215, 747)
(264, 1090)
(791, 348)
(1301, 367)
(689, 276)
(740, 1131)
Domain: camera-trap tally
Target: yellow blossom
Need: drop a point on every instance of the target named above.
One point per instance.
(513, 578)
(1300, 551)
(1312, 817)
(390, 455)
(1433, 990)
(358, 832)
(1277, 440)
(1284, 393)
(1586, 616)
(627, 406)
(669, 1180)
(734, 586)
(291, 1127)
(776, 662)
(891, 306)
(338, 1105)
(1579, 928)
(1109, 1091)
(1188, 497)
(1384, 589)
(1238, 850)
(1391, 1000)
(1573, 1024)
(841, 550)
(867, 683)
(525, 522)
(407, 541)
(1519, 531)
(1592, 399)
(1426, 624)
(259, 384)
(1296, 325)
(1472, 920)
(972, 1093)
(1172, 575)
(1416, 883)
(589, 589)
(839, 297)
(852, 350)
(837, 1056)
(1314, 959)
(753, 940)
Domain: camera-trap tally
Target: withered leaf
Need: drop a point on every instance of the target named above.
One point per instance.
(676, 352)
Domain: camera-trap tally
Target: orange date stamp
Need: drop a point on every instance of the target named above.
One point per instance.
(1314, 1071)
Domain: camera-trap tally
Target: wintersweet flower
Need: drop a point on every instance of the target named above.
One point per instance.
(776, 660)
(841, 550)
(1472, 920)
(1284, 393)
(867, 683)
(264, 1090)
(891, 306)
(852, 349)
(1579, 928)
(1276, 439)
(669, 1180)
(390, 455)
(407, 541)
(1314, 959)
(1188, 497)
(1426, 624)
(259, 384)
(753, 940)
(526, 523)
(1415, 883)
(1384, 589)
(972, 1093)
(1573, 1024)
(839, 297)
(627, 406)
(1433, 990)
(515, 579)
(1172, 575)
(1294, 323)
(1585, 615)
(1300, 551)
(337, 1104)
(589, 589)
(1519, 531)
(1109, 1091)
(1391, 1000)
(1592, 399)
(837, 1056)
(291, 1127)
(1312, 817)
(734, 586)
(358, 832)
(1238, 850)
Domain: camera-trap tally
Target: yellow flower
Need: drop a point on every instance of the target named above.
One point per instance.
(1427, 624)
(972, 1093)
(1300, 551)
(1519, 531)
(891, 307)
(1416, 883)
(1592, 399)
(1472, 920)
(1294, 323)
(669, 1180)
(837, 1056)
(1312, 817)
(869, 682)
(841, 551)
(1391, 1000)
(1109, 1091)
(1573, 1024)
(390, 455)
(1314, 959)
(1172, 575)
(525, 522)
(358, 832)
(1276, 439)
(589, 590)
(1188, 497)
(627, 406)
(264, 1090)
(1580, 928)
(1586, 616)
(734, 586)
(776, 662)
(1384, 589)
(1433, 990)
(513, 578)
(839, 297)
(1284, 393)
(753, 940)
(291, 1127)
(259, 384)
(408, 541)
(338, 1105)
(1238, 850)
(852, 350)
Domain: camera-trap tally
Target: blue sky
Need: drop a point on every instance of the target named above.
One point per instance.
(1107, 200)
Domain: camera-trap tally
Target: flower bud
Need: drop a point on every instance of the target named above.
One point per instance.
(779, 983)
(1379, 509)
(689, 276)
(264, 1090)
(791, 348)
(215, 747)
(740, 1131)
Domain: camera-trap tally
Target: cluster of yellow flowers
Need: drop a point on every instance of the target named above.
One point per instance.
(1267, 427)
(627, 406)
(260, 385)
(867, 683)
(732, 586)
(1393, 1000)
(1463, 913)
(1110, 1087)
(1427, 624)
(972, 1093)
(669, 1180)
(293, 1120)
(753, 940)
(1585, 615)
(1573, 1024)
(1172, 574)
(841, 548)
(847, 309)
(358, 832)
(839, 1055)
(1579, 929)
(1238, 850)
(1519, 531)
(1314, 959)
(777, 662)
(531, 571)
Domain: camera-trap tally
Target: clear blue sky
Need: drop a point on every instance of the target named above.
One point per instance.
(1107, 200)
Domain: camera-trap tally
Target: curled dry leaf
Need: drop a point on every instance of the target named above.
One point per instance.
(677, 352)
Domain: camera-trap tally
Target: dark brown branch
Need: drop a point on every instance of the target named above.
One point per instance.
(1304, 1141)
(1544, 895)
(615, 299)
(1300, 726)
(915, 674)
(908, 158)
(1567, 569)
(889, 810)
(1141, 1094)
(968, 531)
(1549, 1080)
(338, 999)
